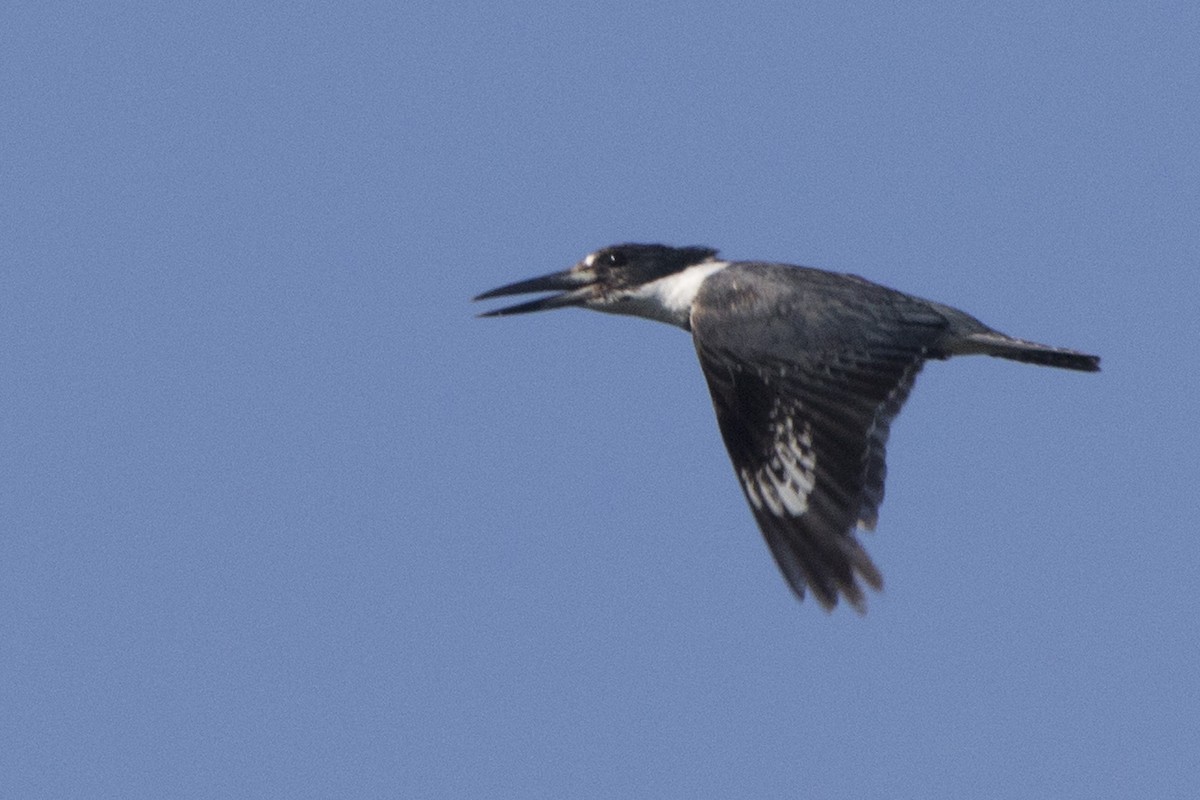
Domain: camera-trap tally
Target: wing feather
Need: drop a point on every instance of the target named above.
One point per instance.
(805, 406)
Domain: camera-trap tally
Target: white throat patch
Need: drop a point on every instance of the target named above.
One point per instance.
(667, 299)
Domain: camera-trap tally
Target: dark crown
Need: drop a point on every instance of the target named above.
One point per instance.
(635, 264)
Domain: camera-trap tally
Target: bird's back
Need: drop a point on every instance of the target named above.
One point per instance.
(787, 312)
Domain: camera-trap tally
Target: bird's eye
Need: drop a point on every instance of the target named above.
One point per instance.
(614, 258)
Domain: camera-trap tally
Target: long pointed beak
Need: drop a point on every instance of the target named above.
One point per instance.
(576, 285)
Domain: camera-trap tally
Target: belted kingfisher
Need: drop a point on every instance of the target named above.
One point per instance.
(807, 369)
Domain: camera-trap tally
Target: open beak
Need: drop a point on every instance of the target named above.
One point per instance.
(577, 285)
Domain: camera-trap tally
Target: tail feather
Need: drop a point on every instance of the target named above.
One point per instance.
(997, 344)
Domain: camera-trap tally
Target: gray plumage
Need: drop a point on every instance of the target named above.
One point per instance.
(807, 369)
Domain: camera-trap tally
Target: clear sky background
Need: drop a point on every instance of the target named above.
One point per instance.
(281, 518)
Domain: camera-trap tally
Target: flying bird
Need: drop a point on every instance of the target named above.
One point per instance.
(807, 369)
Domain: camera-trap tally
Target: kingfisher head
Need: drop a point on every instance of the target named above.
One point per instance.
(645, 280)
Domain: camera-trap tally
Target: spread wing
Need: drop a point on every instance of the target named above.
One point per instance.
(805, 385)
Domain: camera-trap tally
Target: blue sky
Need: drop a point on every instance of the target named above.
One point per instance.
(281, 518)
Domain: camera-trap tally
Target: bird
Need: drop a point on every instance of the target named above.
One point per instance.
(807, 369)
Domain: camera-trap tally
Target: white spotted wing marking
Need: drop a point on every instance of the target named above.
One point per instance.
(785, 481)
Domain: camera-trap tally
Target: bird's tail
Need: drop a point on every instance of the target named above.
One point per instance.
(997, 344)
